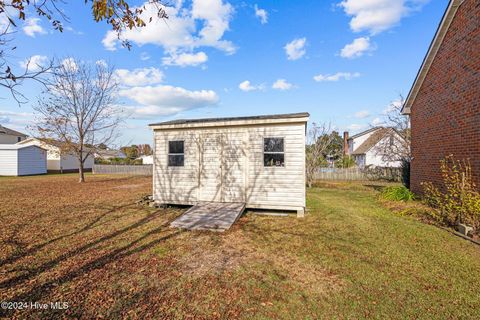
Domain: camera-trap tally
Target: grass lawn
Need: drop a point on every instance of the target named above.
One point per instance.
(89, 245)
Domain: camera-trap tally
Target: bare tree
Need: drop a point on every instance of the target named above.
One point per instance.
(32, 70)
(396, 144)
(119, 14)
(319, 140)
(79, 109)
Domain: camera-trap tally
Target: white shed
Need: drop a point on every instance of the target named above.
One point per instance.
(21, 160)
(259, 161)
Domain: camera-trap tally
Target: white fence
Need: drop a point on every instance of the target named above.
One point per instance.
(377, 173)
(141, 170)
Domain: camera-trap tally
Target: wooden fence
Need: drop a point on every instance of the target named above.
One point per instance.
(141, 170)
(377, 173)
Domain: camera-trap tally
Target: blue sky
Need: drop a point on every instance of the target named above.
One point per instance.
(341, 61)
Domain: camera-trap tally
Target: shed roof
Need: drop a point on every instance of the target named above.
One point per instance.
(5, 130)
(232, 119)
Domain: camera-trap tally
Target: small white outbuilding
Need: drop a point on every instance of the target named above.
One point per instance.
(258, 161)
(22, 160)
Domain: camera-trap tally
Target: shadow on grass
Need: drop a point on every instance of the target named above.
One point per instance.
(37, 292)
(22, 250)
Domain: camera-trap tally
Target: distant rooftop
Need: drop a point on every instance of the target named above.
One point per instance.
(5, 130)
(261, 117)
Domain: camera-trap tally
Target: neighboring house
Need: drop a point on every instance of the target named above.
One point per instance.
(57, 160)
(371, 147)
(444, 101)
(146, 159)
(22, 160)
(259, 161)
(9, 136)
(108, 154)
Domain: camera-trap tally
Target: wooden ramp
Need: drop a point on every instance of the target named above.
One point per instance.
(213, 216)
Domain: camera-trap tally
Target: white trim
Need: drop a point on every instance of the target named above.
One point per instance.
(227, 123)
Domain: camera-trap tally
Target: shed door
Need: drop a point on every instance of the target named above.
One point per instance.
(222, 167)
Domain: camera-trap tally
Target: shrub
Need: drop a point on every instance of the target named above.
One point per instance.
(458, 200)
(405, 167)
(397, 193)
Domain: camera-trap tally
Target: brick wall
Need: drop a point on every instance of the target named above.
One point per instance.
(445, 116)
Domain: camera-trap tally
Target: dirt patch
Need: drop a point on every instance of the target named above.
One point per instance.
(233, 251)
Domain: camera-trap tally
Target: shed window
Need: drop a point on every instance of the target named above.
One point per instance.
(176, 153)
(273, 152)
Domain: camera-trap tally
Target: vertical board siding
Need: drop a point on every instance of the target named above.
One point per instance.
(226, 164)
(359, 174)
(32, 160)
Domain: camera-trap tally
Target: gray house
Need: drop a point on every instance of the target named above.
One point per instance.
(9, 136)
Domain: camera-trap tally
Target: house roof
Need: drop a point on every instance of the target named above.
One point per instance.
(5, 130)
(364, 132)
(109, 153)
(372, 140)
(51, 142)
(232, 119)
(431, 53)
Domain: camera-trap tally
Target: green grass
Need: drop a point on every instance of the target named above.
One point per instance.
(349, 258)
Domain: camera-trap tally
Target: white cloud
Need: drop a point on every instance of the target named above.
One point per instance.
(164, 100)
(32, 27)
(356, 127)
(202, 25)
(394, 105)
(16, 120)
(282, 84)
(144, 56)
(102, 63)
(362, 114)
(34, 63)
(377, 122)
(247, 86)
(139, 77)
(357, 48)
(376, 16)
(336, 77)
(185, 59)
(69, 64)
(262, 14)
(295, 49)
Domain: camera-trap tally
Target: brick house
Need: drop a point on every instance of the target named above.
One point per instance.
(444, 101)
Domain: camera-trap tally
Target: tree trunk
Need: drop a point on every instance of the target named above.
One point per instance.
(81, 174)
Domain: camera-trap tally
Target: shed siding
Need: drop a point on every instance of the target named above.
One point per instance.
(226, 164)
(32, 160)
(8, 163)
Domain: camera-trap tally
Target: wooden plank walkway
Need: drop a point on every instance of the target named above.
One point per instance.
(212, 216)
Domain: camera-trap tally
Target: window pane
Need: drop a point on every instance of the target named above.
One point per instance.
(175, 160)
(273, 144)
(274, 160)
(175, 147)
